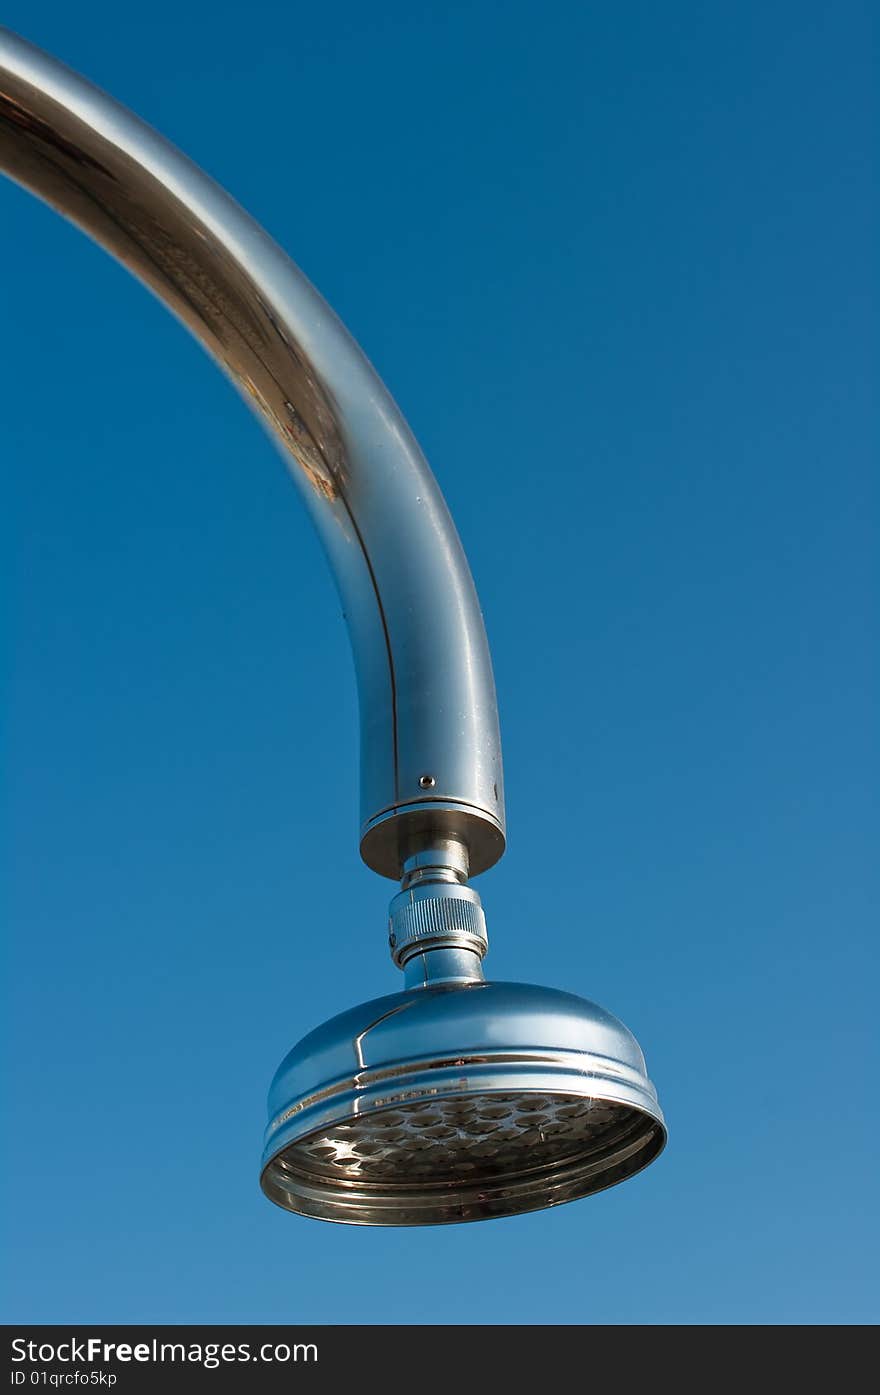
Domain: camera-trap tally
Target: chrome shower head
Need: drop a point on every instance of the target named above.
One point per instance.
(458, 1102)
(457, 1099)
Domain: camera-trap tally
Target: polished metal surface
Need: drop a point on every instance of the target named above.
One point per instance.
(434, 910)
(432, 917)
(443, 857)
(430, 748)
(458, 1103)
(444, 965)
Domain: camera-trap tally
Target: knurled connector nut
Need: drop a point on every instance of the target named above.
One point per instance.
(420, 920)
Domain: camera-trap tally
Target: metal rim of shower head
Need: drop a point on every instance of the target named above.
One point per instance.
(625, 1147)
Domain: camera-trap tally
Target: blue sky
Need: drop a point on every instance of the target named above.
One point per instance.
(617, 265)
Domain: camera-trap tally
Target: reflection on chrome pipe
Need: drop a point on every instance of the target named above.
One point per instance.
(430, 749)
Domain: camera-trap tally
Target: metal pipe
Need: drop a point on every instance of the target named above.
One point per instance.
(430, 747)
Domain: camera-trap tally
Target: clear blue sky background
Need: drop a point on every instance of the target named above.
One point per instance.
(617, 264)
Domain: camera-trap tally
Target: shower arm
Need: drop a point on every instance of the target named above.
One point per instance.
(431, 782)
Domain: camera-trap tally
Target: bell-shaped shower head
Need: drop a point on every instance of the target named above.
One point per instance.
(457, 1103)
(457, 1099)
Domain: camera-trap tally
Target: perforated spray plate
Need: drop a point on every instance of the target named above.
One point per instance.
(462, 1157)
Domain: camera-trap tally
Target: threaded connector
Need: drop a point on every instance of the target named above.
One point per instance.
(436, 915)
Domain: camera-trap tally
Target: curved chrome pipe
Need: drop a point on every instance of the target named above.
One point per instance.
(430, 747)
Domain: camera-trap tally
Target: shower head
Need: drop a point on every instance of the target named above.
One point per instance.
(457, 1099)
(458, 1102)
